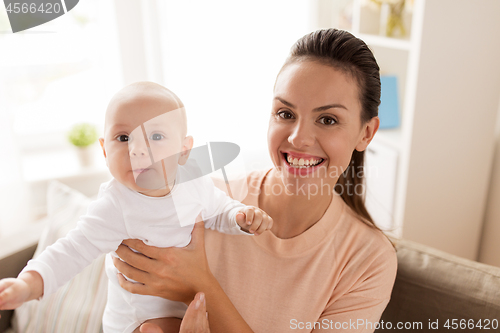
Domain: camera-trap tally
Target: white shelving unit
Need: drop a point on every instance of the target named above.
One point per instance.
(387, 42)
(449, 86)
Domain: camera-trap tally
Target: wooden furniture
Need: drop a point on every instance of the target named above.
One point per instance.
(449, 77)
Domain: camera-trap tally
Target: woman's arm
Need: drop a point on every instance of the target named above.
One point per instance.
(178, 274)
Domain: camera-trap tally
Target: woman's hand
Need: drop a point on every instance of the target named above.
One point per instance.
(173, 273)
(178, 274)
(195, 320)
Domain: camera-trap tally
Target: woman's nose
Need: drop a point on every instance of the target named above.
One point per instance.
(301, 136)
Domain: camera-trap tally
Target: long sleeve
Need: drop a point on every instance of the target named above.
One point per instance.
(101, 230)
(220, 210)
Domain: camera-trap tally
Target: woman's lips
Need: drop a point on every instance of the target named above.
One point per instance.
(301, 155)
(302, 164)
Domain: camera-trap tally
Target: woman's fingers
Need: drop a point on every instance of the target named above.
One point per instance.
(150, 328)
(138, 245)
(134, 288)
(129, 271)
(134, 259)
(174, 273)
(196, 319)
(198, 236)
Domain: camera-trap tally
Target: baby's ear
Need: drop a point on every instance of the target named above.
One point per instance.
(101, 141)
(187, 145)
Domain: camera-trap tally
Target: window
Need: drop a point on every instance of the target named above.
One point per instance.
(60, 73)
(51, 77)
(222, 57)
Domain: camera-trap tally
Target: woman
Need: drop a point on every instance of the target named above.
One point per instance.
(324, 264)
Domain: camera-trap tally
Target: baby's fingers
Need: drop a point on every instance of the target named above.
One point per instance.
(241, 219)
(250, 214)
(7, 295)
(5, 283)
(257, 221)
(267, 223)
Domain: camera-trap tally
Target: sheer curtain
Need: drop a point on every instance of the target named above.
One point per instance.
(51, 77)
(221, 58)
(14, 196)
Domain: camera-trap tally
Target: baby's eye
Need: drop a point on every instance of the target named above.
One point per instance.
(285, 114)
(122, 138)
(327, 121)
(156, 137)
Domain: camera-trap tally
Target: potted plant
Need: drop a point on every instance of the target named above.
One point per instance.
(82, 136)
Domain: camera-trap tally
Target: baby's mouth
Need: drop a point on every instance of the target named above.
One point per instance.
(301, 163)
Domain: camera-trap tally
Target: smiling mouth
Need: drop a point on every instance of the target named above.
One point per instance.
(302, 163)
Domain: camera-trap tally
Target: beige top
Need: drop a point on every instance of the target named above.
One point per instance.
(337, 275)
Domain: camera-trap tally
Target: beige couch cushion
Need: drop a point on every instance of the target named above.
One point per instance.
(432, 285)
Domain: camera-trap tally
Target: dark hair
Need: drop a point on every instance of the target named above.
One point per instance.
(343, 51)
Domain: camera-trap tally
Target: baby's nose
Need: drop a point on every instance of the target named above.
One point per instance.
(138, 150)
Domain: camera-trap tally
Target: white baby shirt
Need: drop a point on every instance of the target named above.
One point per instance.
(120, 213)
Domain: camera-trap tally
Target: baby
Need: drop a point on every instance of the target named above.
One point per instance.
(153, 196)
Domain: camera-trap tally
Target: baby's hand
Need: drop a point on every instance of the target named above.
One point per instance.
(13, 293)
(254, 220)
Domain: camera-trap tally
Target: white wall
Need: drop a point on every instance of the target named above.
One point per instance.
(489, 252)
(221, 58)
(456, 90)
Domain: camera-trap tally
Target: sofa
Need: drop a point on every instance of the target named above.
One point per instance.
(434, 291)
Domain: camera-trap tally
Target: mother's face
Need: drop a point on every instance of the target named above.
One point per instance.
(316, 124)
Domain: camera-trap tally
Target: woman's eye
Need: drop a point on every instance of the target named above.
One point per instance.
(122, 138)
(327, 121)
(156, 137)
(285, 114)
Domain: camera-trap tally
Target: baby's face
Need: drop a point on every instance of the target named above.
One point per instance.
(144, 142)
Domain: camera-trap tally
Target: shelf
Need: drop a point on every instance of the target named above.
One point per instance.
(392, 43)
(63, 163)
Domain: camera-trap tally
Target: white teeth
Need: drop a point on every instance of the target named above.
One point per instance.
(301, 163)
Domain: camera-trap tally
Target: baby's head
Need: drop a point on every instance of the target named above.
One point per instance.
(145, 137)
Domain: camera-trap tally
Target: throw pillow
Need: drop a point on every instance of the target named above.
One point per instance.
(78, 306)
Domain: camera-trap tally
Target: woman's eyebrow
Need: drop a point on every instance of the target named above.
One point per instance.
(330, 106)
(318, 109)
(290, 105)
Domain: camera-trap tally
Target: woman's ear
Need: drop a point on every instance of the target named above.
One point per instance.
(187, 145)
(367, 134)
(101, 141)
